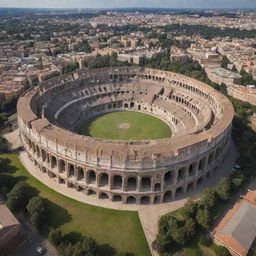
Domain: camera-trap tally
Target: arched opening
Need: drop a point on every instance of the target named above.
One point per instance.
(157, 200)
(131, 200)
(131, 184)
(181, 174)
(38, 151)
(117, 198)
(117, 182)
(179, 192)
(145, 184)
(210, 159)
(126, 105)
(62, 165)
(71, 170)
(44, 170)
(202, 164)
(139, 107)
(103, 196)
(44, 156)
(103, 179)
(167, 196)
(144, 200)
(168, 178)
(191, 170)
(53, 161)
(79, 188)
(91, 192)
(157, 187)
(91, 177)
(217, 153)
(190, 187)
(80, 173)
(132, 105)
(199, 181)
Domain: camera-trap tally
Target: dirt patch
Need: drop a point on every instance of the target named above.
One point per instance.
(124, 126)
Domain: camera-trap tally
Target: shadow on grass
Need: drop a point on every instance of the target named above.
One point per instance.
(57, 215)
(73, 237)
(6, 167)
(106, 249)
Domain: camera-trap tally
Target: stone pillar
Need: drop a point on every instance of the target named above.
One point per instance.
(196, 168)
(186, 172)
(124, 184)
(76, 172)
(85, 177)
(110, 181)
(152, 184)
(175, 179)
(97, 179)
(138, 188)
(66, 169)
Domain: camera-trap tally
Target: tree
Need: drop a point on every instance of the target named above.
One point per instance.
(161, 243)
(55, 237)
(189, 209)
(37, 210)
(204, 218)
(224, 188)
(18, 197)
(86, 247)
(209, 197)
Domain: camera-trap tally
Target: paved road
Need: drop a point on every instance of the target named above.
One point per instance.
(34, 240)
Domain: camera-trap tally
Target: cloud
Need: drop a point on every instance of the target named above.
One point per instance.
(130, 3)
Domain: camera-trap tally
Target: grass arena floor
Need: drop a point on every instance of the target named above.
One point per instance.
(116, 232)
(125, 125)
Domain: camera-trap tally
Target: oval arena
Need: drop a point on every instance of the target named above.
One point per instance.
(139, 172)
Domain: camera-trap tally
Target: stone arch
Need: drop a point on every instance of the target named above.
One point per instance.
(103, 179)
(168, 177)
(210, 159)
(91, 192)
(181, 174)
(117, 198)
(192, 169)
(37, 151)
(179, 191)
(157, 200)
(71, 170)
(62, 165)
(199, 181)
(146, 183)
(202, 163)
(80, 173)
(103, 196)
(218, 151)
(91, 175)
(131, 200)
(139, 107)
(117, 182)
(145, 200)
(126, 105)
(131, 183)
(44, 155)
(190, 187)
(167, 196)
(157, 187)
(132, 105)
(53, 162)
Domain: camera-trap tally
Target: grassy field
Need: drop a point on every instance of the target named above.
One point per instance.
(125, 125)
(115, 231)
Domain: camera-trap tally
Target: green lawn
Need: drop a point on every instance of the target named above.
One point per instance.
(125, 125)
(115, 231)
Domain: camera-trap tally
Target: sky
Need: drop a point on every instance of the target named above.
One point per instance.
(129, 3)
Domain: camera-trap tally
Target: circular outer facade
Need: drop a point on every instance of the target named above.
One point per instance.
(141, 172)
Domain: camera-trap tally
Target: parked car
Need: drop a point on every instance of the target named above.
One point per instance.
(40, 250)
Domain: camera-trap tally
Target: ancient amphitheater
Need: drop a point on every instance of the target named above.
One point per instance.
(139, 172)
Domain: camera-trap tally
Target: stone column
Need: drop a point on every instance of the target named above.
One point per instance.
(152, 184)
(110, 181)
(76, 172)
(66, 169)
(97, 179)
(138, 188)
(175, 179)
(124, 184)
(186, 172)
